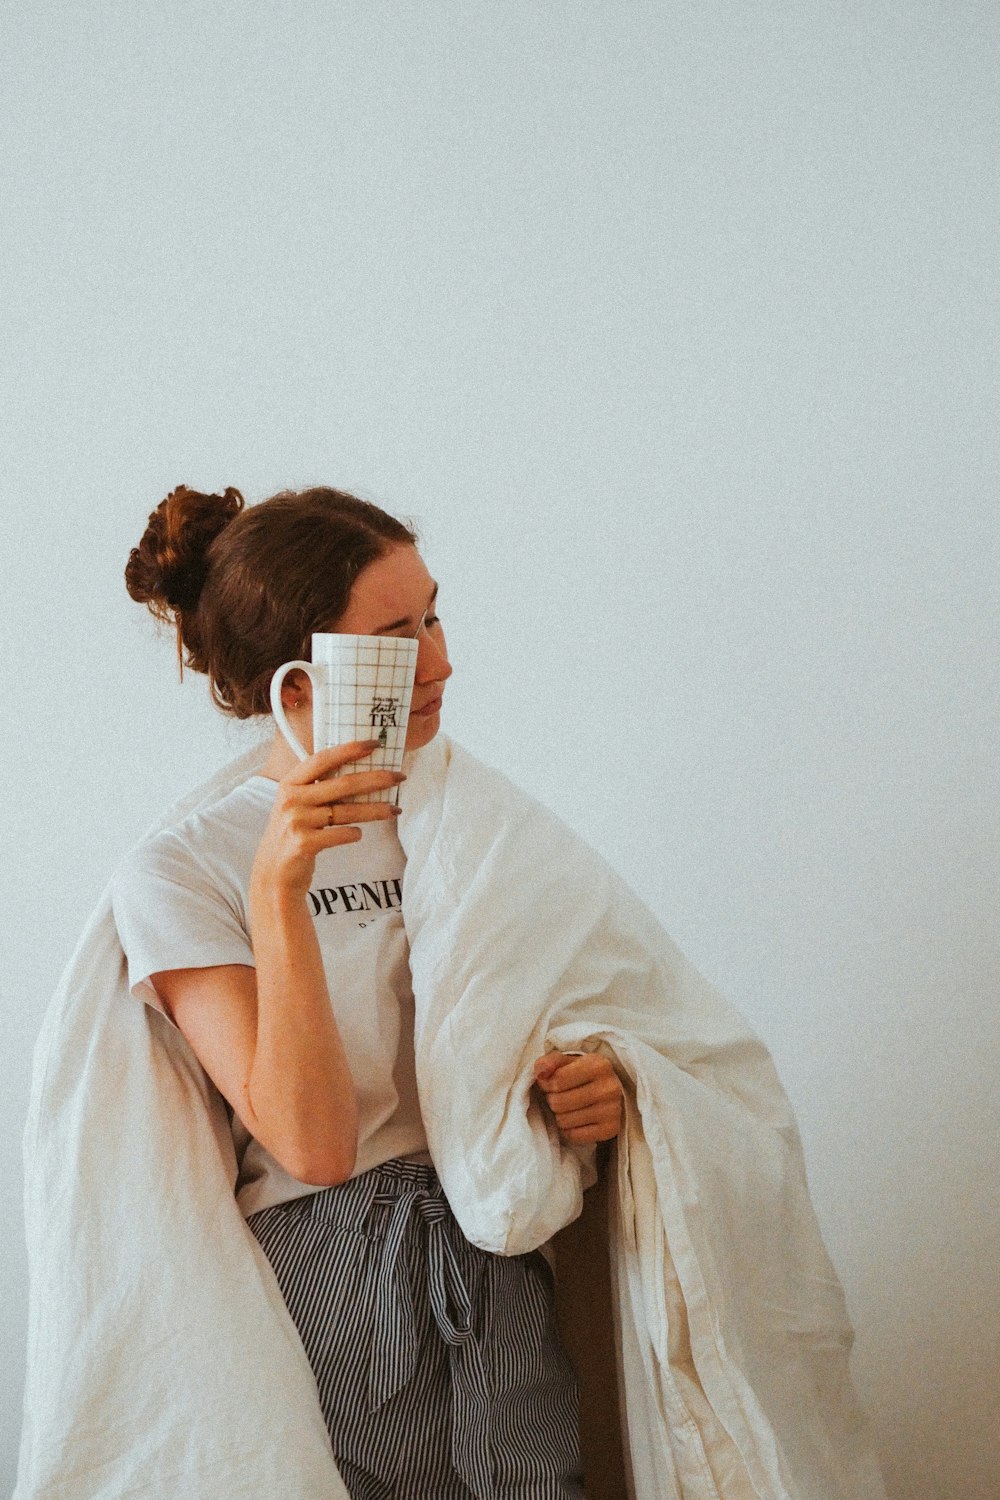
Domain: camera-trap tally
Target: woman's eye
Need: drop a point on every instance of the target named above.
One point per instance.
(432, 620)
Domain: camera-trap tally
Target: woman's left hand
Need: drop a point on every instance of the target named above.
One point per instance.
(584, 1095)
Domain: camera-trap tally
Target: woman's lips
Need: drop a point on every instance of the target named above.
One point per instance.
(430, 707)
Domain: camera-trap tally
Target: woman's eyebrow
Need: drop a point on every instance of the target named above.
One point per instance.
(406, 621)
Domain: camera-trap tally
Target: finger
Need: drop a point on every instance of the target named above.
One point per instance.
(550, 1063)
(604, 1086)
(601, 1114)
(576, 1070)
(354, 784)
(333, 814)
(327, 814)
(594, 1108)
(328, 759)
(328, 838)
(602, 1109)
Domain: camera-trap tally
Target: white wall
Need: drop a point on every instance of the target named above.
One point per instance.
(675, 327)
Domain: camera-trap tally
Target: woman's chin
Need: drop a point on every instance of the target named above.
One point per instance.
(421, 730)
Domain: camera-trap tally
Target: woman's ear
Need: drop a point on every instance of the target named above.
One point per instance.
(296, 691)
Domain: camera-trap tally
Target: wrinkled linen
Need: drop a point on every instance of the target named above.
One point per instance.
(162, 1361)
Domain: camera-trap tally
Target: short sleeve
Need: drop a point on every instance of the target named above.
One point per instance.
(171, 913)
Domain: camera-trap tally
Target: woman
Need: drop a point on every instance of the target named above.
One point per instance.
(437, 1363)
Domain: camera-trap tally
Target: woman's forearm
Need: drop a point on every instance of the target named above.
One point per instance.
(300, 1087)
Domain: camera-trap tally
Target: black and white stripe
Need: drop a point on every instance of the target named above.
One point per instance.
(438, 1365)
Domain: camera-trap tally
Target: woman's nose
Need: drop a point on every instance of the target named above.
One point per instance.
(432, 661)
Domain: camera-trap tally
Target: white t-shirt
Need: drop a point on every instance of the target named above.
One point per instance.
(181, 901)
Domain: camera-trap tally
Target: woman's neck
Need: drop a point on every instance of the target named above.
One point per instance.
(281, 760)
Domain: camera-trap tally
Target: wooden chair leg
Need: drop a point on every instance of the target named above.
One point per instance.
(583, 1309)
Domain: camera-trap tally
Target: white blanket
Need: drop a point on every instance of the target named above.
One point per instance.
(162, 1363)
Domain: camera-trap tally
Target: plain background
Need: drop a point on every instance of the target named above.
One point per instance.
(674, 326)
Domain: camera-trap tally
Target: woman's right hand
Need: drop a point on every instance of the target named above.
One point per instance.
(309, 815)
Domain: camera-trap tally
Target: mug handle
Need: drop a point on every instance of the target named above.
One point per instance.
(278, 708)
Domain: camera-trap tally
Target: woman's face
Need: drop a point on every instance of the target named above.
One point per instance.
(392, 596)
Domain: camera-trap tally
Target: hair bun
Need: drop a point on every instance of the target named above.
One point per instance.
(168, 568)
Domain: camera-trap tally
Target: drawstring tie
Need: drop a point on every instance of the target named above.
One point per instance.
(394, 1348)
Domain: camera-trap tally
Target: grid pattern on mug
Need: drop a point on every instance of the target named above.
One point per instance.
(373, 702)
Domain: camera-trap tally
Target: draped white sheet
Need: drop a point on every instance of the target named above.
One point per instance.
(162, 1363)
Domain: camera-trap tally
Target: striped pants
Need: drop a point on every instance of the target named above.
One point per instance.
(438, 1364)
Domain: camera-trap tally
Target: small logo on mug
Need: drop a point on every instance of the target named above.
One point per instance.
(384, 712)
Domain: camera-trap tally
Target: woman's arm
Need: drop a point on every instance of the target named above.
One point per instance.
(300, 1078)
(267, 1037)
(268, 1040)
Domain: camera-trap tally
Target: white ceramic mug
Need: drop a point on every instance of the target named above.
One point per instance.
(361, 690)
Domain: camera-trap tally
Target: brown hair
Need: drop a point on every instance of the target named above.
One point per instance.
(247, 586)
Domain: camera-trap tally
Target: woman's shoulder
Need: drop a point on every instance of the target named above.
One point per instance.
(180, 897)
(217, 840)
